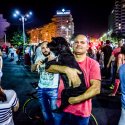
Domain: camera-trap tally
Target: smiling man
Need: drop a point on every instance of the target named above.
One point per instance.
(79, 110)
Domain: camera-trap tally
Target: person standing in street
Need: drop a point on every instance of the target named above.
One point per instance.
(8, 102)
(114, 59)
(12, 51)
(107, 51)
(120, 61)
(47, 87)
(122, 80)
(1, 65)
(79, 110)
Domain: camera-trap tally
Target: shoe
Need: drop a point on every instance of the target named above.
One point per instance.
(111, 94)
(112, 86)
(119, 93)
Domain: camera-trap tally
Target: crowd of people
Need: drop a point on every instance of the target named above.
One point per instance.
(103, 60)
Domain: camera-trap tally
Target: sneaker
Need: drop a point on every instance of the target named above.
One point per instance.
(119, 93)
(112, 86)
(111, 94)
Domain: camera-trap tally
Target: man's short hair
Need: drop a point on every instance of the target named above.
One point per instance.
(107, 41)
(44, 42)
(83, 36)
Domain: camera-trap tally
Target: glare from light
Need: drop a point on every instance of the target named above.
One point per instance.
(15, 15)
(63, 27)
(17, 12)
(63, 10)
(27, 15)
(30, 13)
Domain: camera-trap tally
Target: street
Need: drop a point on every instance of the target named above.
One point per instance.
(106, 109)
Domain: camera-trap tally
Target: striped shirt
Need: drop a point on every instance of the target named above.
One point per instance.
(6, 107)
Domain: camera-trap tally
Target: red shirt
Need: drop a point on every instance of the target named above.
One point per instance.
(91, 70)
(116, 51)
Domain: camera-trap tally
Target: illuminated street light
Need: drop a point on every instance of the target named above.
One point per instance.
(22, 18)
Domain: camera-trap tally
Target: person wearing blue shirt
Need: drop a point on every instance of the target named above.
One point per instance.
(122, 80)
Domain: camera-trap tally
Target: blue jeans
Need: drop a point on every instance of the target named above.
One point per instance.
(122, 81)
(47, 98)
(70, 119)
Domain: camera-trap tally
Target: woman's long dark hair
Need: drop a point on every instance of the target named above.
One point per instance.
(3, 97)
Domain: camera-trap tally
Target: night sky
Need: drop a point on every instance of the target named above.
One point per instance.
(90, 16)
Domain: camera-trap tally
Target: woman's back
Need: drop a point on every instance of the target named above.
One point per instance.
(121, 57)
(7, 106)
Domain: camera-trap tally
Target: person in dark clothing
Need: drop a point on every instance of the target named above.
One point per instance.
(7, 50)
(20, 52)
(107, 50)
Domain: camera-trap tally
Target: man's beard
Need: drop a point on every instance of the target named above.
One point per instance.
(46, 54)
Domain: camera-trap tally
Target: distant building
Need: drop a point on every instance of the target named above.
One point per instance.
(65, 24)
(61, 25)
(43, 33)
(117, 17)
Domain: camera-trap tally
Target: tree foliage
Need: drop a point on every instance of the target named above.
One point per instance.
(117, 36)
(17, 38)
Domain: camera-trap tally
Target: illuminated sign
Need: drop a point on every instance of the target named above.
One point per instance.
(63, 12)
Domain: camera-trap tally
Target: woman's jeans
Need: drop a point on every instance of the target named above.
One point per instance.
(47, 98)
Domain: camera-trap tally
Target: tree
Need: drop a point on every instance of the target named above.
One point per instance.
(3, 25)
(117, 36)
(17, 38)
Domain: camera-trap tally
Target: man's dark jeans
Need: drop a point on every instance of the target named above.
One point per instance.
(47, 98)
(70, 119)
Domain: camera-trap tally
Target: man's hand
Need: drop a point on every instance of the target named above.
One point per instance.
(71, 73)
(38, 63)
(50, 57)
(73, 100)
(73, 77)
(108, 65)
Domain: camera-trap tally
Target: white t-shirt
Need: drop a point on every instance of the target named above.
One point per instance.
(47, 80)
(11, 50)
(6, 107)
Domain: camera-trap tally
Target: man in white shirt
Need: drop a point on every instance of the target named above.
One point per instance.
(47, 87)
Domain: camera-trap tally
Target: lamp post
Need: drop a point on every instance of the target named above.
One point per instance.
(5, 39)
(23, 18)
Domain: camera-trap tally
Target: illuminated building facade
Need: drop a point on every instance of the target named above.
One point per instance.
(44, 33)
(118, 17)
(61, 25)
(65, 24)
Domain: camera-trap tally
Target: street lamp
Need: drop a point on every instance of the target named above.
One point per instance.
(22, 18)
(5, 39)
